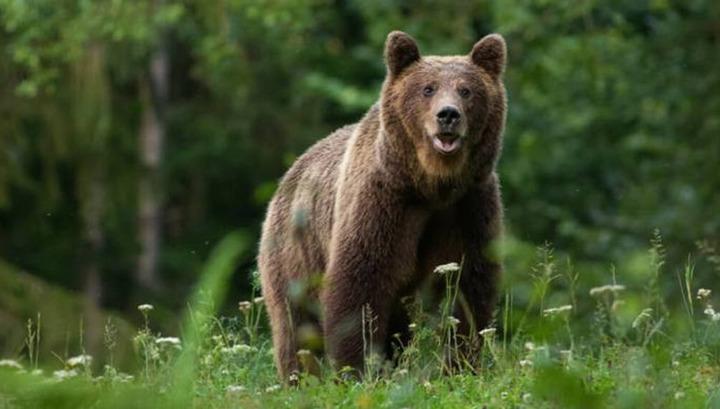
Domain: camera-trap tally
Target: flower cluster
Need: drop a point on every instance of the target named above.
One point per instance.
(711, 313)
(80, 360)
(447, 268)
(10, 363)
(605, 289)
(488, 333)
(63, 374)
(235, 389)
(169, 341)
(273, 388)
(552, 312)
(145, 308)
(525, 363)
(704, 295)
(238, 349)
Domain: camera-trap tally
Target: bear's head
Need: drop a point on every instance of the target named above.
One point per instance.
(449, 109)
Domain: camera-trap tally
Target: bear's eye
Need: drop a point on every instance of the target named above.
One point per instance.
(428, 90)
(464, 92)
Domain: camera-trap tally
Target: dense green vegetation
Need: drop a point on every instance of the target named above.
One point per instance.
(136, 134)
(549, 357)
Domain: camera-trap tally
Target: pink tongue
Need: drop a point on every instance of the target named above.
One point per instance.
(446, 146)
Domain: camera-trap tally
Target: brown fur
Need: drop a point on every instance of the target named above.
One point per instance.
(374, 207)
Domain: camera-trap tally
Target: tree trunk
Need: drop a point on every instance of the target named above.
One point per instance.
(154, 94)
(92, 121)
(92, 188)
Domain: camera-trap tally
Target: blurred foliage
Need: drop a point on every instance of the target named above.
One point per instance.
(30, 306)
(613, 127)
(222, 362)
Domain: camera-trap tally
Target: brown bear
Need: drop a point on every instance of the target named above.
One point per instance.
(376, 205)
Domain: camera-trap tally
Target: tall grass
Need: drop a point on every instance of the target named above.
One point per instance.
(542, 354)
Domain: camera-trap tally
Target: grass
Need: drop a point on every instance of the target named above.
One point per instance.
(611, 345)
(26, 300)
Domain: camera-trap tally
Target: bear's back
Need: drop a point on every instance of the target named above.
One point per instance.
(300, 214)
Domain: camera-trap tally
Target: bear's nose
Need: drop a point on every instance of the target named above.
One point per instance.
(448, 116)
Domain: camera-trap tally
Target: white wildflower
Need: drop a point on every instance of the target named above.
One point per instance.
(530, 346)
(679, 395)
(63, 374)
(401, 372)
(453, 321)
(258, 300)
(170, 341)
(239, 348)
(145, 308)
(273, 388)
(526, 363)
(703, 293)
(503, 395)
(80, 360)
(488, 332)
(526, 397)
(645, 315)
(447, 268)
(303, 353)
(244, 306)
(233, 389)
(608, 288)
(10, 363)
(293, 379)
(412, 326)
(675, 363)
(551, 312)
(125, 378)
(709, 310)
(566, 354)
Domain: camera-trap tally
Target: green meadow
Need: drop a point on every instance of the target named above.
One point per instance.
(629, 350)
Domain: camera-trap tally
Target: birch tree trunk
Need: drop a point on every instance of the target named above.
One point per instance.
(154, 94)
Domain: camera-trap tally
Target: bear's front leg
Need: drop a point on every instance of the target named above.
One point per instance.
(356, 320)
(481, 211)
(371, 252)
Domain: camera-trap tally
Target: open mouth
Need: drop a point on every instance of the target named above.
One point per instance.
(447, 143)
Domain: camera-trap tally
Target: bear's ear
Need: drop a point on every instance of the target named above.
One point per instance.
(489, 53)
(400, 51)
